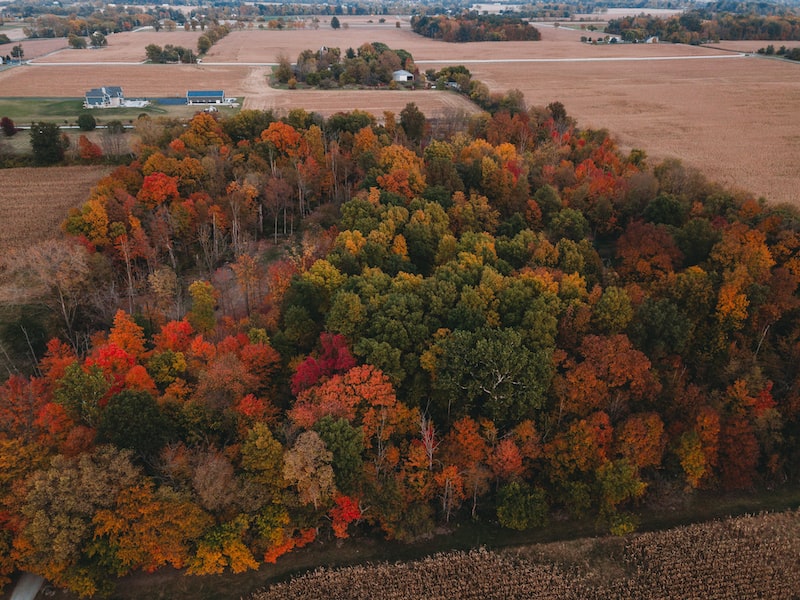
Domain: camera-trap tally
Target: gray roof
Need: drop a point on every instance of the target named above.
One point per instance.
(112, 91)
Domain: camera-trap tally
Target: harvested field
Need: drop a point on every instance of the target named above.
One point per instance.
(750, 46)
(745, 557)
(125, 47)
(734, 119)
(148, 81)
(35, 201)
(264, 46)
(432, 103)
(41, 47)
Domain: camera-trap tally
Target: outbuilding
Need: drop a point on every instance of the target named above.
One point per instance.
(403, 76)
(205, 97)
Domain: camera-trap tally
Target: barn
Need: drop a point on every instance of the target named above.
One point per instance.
(205, 97)
(403, 76)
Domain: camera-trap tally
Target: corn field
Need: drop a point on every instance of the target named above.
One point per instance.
(35, 201)
(742, 558)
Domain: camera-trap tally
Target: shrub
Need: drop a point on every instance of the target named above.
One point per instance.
(87, 122)
(8, 127)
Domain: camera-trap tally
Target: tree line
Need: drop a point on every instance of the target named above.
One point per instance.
(473, 27)
(702, 25)
(279, 330)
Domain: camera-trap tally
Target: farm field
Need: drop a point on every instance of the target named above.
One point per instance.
(37, 48)
(750, 46)
(733, 118)
(124, 47)
(32, 209)
(745, 557)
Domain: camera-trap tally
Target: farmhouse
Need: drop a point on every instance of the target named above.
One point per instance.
(104, 97)
(205, 97)
(403, 75)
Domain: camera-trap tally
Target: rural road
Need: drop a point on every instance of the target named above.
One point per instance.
(27, 587)
(38, 63)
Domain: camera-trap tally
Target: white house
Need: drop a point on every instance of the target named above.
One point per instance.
(104, 97)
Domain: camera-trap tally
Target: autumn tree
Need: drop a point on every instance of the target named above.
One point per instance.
(60, 507)
(307, 467)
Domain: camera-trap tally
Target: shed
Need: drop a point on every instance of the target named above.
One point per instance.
(403, 75)
(205, 97)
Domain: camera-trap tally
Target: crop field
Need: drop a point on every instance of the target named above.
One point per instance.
(38, 48)
(731, 115)
(745, 557)
(124, 47)
(35, 201)
(751, 46)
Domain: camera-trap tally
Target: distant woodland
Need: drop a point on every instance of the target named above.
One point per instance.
(267, 331)
(472, 27)
(703, 25)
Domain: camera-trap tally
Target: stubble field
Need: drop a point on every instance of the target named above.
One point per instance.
(34, 202)
(745, 557)
(731, 115)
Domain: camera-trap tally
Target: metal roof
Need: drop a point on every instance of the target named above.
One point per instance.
(204, 93)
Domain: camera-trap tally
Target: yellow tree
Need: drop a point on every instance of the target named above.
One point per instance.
(402, 171)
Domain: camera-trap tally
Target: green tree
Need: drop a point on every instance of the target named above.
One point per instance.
(80, 391)
(521, 507)
(490, 373)
(133, 420)
(77, 42)
(413, 122)
(201, 316)
(47, 143)
(153, 52)
(86, 121)
(283, 70)
(204, 44)
(345, 444)
(613, 311)
(98, 40)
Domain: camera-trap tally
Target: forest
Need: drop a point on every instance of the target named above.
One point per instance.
(698, 26)
(265, 331)
(472, 27)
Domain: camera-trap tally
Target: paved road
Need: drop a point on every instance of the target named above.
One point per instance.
(40, 63)
(27, 587)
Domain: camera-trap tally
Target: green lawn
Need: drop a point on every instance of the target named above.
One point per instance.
(65, 111)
